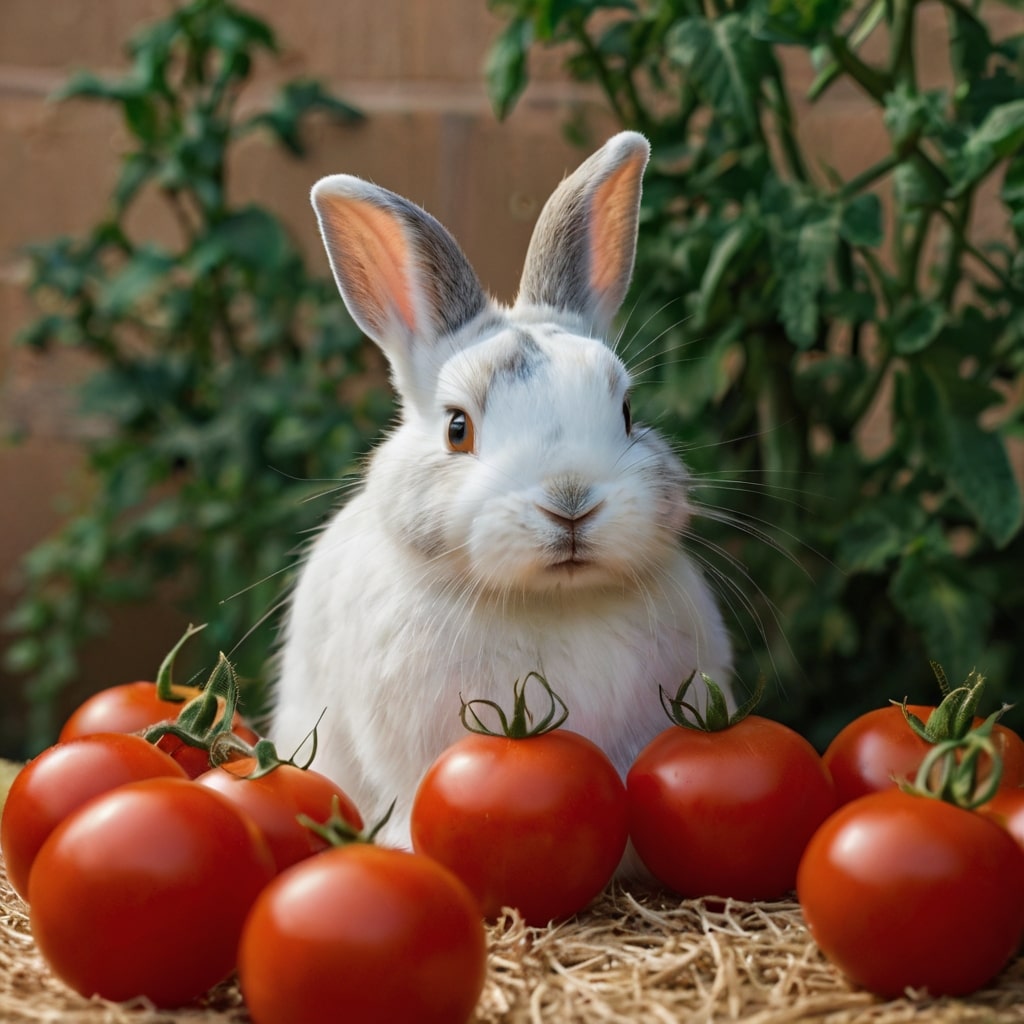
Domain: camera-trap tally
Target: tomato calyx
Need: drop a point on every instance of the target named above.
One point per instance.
(522, 724)
(207, 716)
(337, 831)
(715, 716)
(953, 717)
(165, 687)
(950, 770)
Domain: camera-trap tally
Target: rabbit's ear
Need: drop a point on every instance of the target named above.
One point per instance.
(580, 258)
(403, 277)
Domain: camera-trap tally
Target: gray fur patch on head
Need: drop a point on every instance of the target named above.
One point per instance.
(522, 361)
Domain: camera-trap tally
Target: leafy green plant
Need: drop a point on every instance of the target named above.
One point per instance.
(219, 360)
(784, 309)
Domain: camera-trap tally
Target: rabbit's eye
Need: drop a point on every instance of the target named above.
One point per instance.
(627, 415)
(461, 436)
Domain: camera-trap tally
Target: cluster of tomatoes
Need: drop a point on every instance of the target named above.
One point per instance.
(149, 872)
(162, 847)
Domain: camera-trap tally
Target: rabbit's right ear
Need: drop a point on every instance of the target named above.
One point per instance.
(580, 258)
(403, 277)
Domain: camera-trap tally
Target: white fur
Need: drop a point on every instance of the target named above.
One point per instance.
(441, 577)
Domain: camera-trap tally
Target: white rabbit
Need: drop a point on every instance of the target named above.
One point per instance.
(515, 519)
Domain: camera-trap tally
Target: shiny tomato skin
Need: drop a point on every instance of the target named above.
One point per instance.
(1006, 809)
(538, 824)
(129, 707)
(133, 707)
(907, 891)
(144, 890)
(61, 779)
(877, 748)
(275, 800)
(727, 813)
(365, 934)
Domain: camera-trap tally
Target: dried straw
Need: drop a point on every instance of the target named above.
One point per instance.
(634, 957)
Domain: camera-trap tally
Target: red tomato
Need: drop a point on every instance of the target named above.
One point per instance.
(129, 707)
(367, 934)
(879, 747)
(60, 780)
(133, 707)
(144, 890)
(276, 799)
(727, 813)
(908, 891)
(1006, 808)
(537, 823)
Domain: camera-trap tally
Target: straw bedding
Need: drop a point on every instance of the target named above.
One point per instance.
(634, 957)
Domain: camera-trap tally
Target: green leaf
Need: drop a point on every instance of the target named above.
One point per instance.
(251, 237)
(295, 101)
(800, 22)
(980, 472)
(140, 276)
(915, 327)
(724, 63)
(998, 136)
(804, 235)
(879, 532)
(722, 264)
(506, 70)
(952, 617)
(861, 221)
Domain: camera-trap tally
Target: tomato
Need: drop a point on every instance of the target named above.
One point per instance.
(129, 707)
(727, 812)
(61, 779)
(908, 891)
(879, 747)
(538, 823)
(1006, 808)
(143, 891)
(276, 799)
(363, 933)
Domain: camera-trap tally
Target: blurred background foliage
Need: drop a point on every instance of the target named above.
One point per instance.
(220, 365)
(839, 358)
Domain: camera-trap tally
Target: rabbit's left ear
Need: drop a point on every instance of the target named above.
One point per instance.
(580, 258)
(404, 278)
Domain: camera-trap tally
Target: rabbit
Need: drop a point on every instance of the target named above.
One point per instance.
(516, 519)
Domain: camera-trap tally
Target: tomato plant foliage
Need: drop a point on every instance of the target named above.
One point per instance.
(783, 307)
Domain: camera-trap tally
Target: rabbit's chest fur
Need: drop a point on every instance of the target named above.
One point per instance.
(386, 657)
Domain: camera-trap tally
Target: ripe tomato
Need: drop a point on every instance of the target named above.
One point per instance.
(908, 891)
(537, 823)
(61, 779)
(276, 799)
(729, 812)
(143, 891)
(367, 934)
(1006, 808)
(879, 747)
(129, 707)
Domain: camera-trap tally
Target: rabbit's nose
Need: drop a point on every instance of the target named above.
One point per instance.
(573, 522)
(569, 502)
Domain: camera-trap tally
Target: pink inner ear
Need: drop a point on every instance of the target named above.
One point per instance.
(374, 259)
(614, 221)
